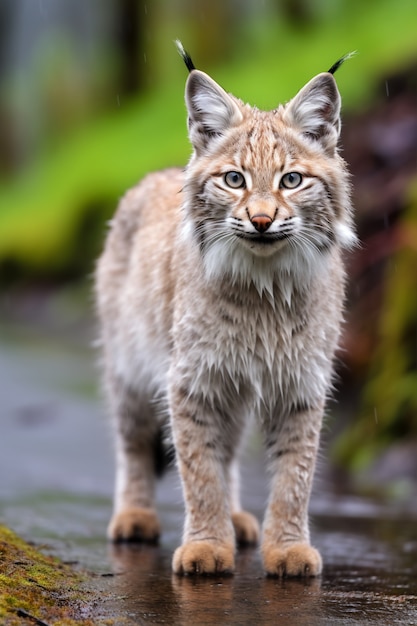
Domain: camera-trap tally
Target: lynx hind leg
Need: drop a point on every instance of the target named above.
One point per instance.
(246, 528)
(138, 448)
(245, 524)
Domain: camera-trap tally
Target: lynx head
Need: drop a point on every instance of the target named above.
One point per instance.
(266, 191)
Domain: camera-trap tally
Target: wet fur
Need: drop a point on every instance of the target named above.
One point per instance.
(205, 325)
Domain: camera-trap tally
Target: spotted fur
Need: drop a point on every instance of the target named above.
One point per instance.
(220, 294)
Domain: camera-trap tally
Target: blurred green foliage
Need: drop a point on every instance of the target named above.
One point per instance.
(53, 209)
(389, 401)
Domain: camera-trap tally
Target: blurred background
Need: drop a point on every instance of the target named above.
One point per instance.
(91, 98)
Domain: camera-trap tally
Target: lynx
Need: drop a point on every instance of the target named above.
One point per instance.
(220, 298)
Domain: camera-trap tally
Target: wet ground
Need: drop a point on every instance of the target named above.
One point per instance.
(56, 473)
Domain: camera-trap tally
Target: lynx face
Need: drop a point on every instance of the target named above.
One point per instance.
(264, 187)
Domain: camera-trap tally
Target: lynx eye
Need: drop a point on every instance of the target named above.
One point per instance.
(236, 180)
(291, 180)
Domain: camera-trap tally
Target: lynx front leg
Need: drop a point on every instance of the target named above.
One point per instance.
(209, 540)
(134, 517)
(286, 548)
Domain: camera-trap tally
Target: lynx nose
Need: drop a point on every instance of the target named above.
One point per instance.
(261, 222)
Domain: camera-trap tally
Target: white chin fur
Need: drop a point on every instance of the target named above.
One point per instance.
(235, 261)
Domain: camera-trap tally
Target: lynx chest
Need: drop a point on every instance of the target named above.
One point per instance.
(257, 348)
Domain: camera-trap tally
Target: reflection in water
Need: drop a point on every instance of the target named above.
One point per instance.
(151, 592)
(144, 583)
(370, 576)
(238, 600)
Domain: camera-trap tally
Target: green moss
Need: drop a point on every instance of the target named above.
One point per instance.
(39, 585)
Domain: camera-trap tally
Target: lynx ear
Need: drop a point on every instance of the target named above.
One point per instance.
(211, 111)
(315, 111)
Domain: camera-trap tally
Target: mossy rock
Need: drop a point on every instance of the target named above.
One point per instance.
(38, 589)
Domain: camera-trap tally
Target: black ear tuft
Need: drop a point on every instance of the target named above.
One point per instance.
(185, 56)
(340, 62)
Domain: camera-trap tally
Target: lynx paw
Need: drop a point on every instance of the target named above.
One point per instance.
(300, 559)
(204, 557)
(134, 524)
(246, 528)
